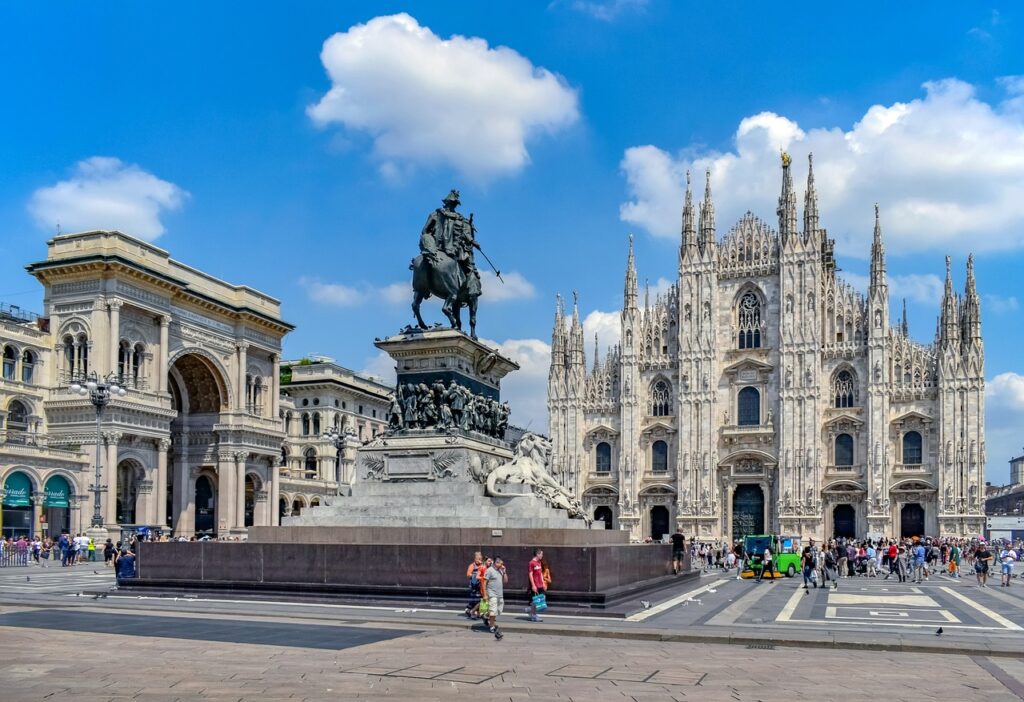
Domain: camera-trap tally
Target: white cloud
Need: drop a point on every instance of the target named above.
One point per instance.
(946, 169)
(608, 328)
(428, 100)
(515, 287)
(915, 287)
(608, 10)
(106, 193)
(1004, 423)
(527, 388)
(397, 293)
(333, 294)
(999, 304)
(381, 368)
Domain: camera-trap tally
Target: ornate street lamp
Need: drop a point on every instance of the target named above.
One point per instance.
(337, 440)
(99, 390)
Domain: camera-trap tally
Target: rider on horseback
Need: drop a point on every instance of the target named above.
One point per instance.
(448, 233)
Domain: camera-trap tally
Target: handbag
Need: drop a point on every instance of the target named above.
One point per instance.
(540, 602)
(814, 577)
(484, 607)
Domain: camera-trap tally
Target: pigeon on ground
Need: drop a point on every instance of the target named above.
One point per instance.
(646, 604)
(938, 632)
(28, 579)
(95, 572)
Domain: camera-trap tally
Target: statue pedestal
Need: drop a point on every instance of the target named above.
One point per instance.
(430, 355)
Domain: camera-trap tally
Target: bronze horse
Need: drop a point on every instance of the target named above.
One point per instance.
(447, 281)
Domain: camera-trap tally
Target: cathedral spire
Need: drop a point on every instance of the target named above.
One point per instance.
(689, 233)
(787, 202)
(904, 326)
(811, 221)
(558, 330)
(877, 253)
(707, 215)
(629, 296)
(647, 294)
(971, 327)
(597, 358)
(577, 355)
(949, 322)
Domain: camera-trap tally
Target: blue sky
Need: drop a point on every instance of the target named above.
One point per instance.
(223, 133)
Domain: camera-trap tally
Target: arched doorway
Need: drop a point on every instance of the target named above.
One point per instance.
(844, 521)
(747, 511)
(296, 508)
(282, 509)
(17, 505)
(198, 394)
(128, 477)
(206, 507)
(57, 496)
(659, 522)
(250, 500)
(911, 520)
(604, 514)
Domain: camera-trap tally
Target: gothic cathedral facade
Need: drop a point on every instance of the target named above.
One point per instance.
(763, 394)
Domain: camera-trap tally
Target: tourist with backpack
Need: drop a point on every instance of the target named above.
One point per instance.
(473, 573)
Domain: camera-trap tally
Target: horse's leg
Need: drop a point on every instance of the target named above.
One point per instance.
(417, 299)
(472, 316)
(447, 309)
(457, 312)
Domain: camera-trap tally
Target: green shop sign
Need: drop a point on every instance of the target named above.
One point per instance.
(17, 490)
(57, 492)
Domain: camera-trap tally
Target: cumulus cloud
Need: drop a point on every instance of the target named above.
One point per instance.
(515, 287)
(607, 326)
(380, 368)
(527, 388)
(333, 294)
(1004, 417)
(999, 304)
(608, 10)
(946, 169)
(428, 100)
(106, 193)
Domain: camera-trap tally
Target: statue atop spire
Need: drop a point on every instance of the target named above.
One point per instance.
(707, 214)
(811, 219)
(787, 202)
(630, 293)
(689, 233)
(877, 253)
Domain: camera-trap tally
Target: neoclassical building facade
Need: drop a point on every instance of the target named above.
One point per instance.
(762, 393)
(194, 445)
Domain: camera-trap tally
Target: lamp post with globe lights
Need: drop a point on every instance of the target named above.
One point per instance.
(99, 390)
(337, 439)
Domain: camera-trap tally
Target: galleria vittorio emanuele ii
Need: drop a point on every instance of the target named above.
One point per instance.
(761, 393)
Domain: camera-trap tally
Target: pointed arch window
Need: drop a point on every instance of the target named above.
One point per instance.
(661, 399)
(844, 389)
(748, 319)
(912, 445)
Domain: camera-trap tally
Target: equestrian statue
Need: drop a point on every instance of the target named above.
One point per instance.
(446, 267)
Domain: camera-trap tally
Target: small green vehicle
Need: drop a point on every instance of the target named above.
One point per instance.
(785, 554)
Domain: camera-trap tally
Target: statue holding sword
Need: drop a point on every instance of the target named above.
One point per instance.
(446, 266)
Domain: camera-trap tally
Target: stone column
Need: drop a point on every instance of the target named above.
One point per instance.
(163, 370)
(110, 476)
(275, 387)
(37, 511)
(225, 492)
(243, 361)
(115, 332)
(275, 492)
(184, 491)
(162, 447)
(240, 457)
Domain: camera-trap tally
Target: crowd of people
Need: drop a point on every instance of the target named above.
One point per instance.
(67, 551)
(907, 560)
(487, 577)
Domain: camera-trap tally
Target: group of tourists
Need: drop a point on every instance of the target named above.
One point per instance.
(40, 551)
(487, 577)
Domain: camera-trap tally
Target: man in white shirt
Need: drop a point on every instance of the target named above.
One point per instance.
(1007, 557)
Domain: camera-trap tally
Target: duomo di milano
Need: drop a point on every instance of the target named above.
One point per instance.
(762, 393)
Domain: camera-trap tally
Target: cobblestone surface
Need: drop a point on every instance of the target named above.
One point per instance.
(38, 664)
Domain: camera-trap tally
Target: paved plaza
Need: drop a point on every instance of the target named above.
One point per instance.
(716, 638)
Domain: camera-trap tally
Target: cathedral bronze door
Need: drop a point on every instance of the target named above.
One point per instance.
(659, 522)
(604, 514)
(911, 520)
(844, 521)
(747, 511)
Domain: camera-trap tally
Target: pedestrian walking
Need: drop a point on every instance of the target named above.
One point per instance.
(954, 561)
(807, 567)
(830, 563)
(473, 573)
(766, 565)
(92, 550)
(495, 578)
(678, 551)
(982, 562)
(919, 567)
(535, 575)
(1007, 557)
(871, 555)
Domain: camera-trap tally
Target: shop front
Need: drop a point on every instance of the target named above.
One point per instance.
(57, 506)
(17, 506)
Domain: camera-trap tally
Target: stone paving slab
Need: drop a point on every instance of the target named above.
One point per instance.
(531, 667)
